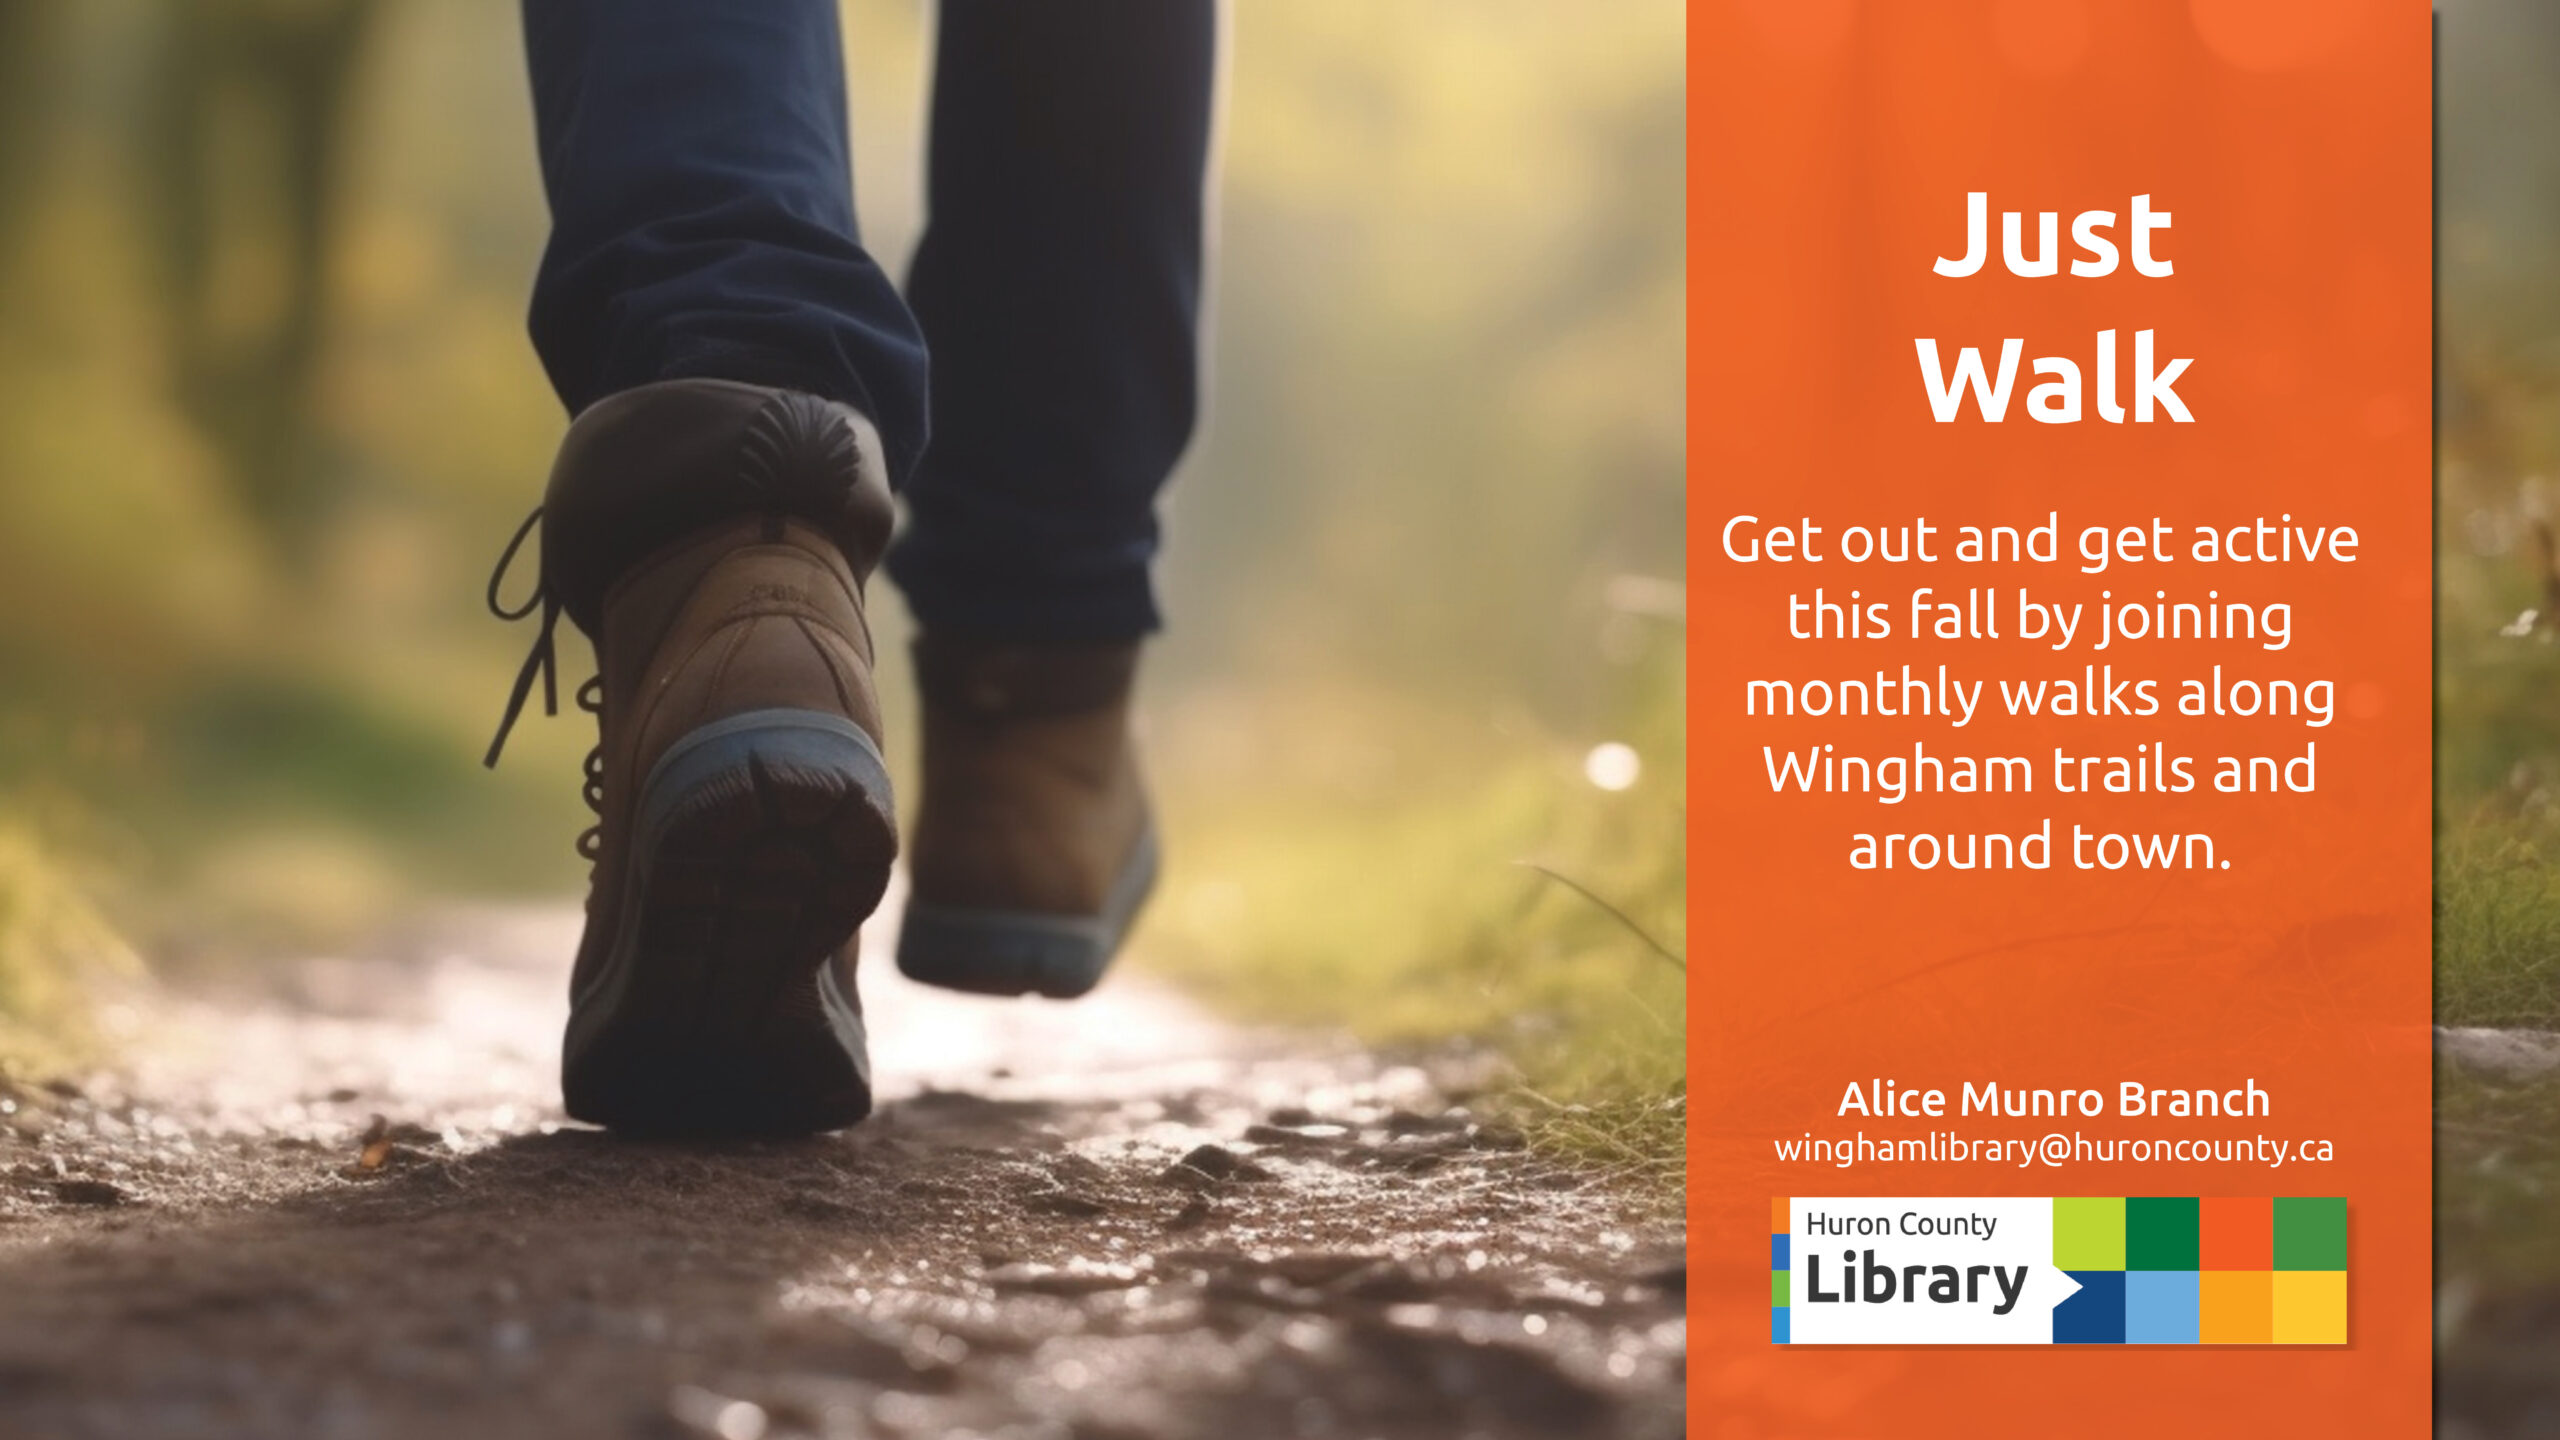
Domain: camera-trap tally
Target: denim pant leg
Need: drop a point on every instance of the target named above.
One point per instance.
(1058, 282)
(695, 157)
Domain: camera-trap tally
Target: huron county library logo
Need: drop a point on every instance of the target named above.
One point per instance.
(2077, 1270)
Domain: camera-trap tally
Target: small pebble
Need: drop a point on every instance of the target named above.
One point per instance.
(88, 1192)
(1214, 1163)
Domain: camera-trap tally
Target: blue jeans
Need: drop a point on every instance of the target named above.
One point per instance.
(695, 156)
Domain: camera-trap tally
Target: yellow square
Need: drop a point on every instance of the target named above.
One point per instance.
(2311, 1307)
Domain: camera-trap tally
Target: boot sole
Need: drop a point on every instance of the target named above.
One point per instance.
(760, 843)
(1024, 952)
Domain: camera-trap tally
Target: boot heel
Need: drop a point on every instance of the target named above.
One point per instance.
(1018, 952)
(760, 843)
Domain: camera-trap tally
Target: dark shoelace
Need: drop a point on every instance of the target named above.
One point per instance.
(543, 662)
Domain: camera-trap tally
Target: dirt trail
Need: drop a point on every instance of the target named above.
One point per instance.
(2497, 1312)
(193, 1246)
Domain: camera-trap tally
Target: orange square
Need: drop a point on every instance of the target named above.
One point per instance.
(1780, 1215)
(2238, 1307)
(2236, 1233)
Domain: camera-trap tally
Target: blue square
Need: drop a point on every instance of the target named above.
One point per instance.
(1778, 1252)
(1777, 1327)
(2094, 1315)
(2162, 1307)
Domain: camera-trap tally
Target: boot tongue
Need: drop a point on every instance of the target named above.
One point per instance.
(644, 469)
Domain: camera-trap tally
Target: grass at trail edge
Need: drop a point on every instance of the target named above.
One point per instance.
(1422, 884)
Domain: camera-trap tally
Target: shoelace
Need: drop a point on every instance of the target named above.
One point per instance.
(543, 662)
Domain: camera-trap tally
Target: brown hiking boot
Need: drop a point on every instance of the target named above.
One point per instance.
(745, 826)
(1034, 847)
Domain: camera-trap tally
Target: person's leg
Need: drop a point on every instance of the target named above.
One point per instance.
(695, 156)
(745, 383)
(1059, 286)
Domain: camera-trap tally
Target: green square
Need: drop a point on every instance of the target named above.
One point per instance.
(2311, 1234)
(2088, 1234)
(1778, 1289)
(2160, 1233)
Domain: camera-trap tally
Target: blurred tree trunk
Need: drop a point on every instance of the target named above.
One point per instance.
(241, 171)
(30, 44)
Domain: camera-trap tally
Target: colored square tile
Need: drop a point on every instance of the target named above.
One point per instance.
(2235, 1232)
(2311, 1234)
(1778, 1327)
(1778, 1288)
(2160, 1233)
(1781, 1216)
(2094, 1315)
(2238, 1307)
(2160, 1307)
(1778, 1246)
(2311, 1307)
(2088, 1234)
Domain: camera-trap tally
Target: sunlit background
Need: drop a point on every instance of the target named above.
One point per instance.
(267, 414)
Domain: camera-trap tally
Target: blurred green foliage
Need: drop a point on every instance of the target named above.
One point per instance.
(238, 342)
(2498, 921)
(51, 938)
(266, 413)
(2498, 406)
(1430, 552)
(2498, 665)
